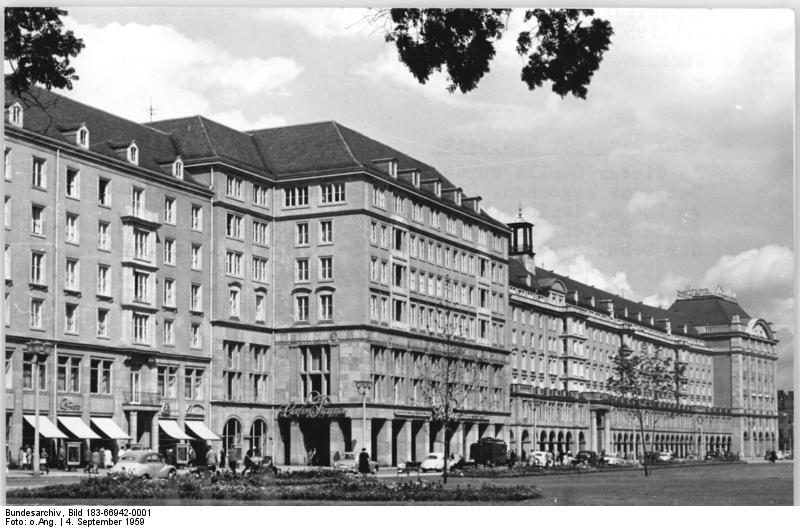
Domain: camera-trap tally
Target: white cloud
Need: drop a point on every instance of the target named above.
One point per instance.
(770, 267)
(324, 22)
(236, 119)
(125, 68)
(643, 201)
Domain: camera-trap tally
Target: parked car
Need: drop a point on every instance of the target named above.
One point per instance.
(613, 459)
(665, 456)
(728, 455)
(349, 462)
(588, 458)
(435, 462)
(780, 455)
(711, 455)
(539, 458)
(489, 452)
(788, 455)
(145, 464)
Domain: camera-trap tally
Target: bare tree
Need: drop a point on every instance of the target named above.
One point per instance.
(652, 385)
(450, 383)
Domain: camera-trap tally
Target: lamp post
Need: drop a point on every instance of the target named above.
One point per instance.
(699, 420)
(40, 352)
(751, 422)
(363, 387)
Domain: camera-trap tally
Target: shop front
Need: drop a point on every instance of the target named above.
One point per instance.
(312, 433)
(49, 435)
(204, 440)
(173, 443)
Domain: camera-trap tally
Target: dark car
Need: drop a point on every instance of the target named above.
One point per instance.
(712, 455)
(586, 458)
(489, 452)
(727, 455)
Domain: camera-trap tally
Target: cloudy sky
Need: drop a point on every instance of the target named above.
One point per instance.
(676, 170)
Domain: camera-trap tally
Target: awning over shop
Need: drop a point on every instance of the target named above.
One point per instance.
(46, 428)
(110, 429)
(200, 429)
(171, 428)
(78, 427)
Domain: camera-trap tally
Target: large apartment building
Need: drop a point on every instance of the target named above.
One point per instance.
(290, 290)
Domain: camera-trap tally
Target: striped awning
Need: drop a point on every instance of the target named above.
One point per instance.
(172, 429)
(110, 429)
(200, 429)
(46, 428)
(78, 427)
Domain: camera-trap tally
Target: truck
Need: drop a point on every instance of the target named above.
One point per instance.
(489, 452)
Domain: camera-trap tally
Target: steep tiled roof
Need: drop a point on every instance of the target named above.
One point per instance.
(199, 137)
(517, 275)
(50, 115)
(709, 310)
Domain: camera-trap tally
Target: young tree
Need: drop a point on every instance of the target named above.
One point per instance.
(564, 46)
(38, 50)
(451, 378)
(645, 380)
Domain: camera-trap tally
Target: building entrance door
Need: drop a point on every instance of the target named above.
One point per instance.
(316, 441)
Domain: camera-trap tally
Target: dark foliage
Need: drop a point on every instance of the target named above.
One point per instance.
(38, 48)
(565, 46)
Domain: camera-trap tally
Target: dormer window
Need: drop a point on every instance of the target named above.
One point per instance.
(457, 198)
(15, 114)
(177, 169)
(82, 138)
(133, 154)
(415, 179)
(437, 189)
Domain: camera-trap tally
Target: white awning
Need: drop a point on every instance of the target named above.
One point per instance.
(171, 428)
(110, 429)
(46, 428)
(200, 429)
(78, 427)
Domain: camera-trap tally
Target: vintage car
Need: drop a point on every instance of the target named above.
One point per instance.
(539, 458)
(349, 462)
(145, 464)
(585, 458)
(613, 459)
(665, 456)
(435, 462)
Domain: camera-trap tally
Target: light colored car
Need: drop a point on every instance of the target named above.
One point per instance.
(349, 462)
(665, 456)
(539, 458)
(613, 459)
(145, 464)
(433, 462)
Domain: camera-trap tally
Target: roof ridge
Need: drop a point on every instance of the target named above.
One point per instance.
(208, 138)
(283, 127)
(344, 142)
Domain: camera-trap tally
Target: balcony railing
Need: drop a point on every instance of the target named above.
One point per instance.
(152, 399)
(129, 211)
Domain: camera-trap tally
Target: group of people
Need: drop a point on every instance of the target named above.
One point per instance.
(97, 459)
(25, 459)
(229, 459)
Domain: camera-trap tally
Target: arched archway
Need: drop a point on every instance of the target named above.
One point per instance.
(543, 441)
(568, 444)
(552, 442)
(231, 434)
(560, 442)
(526, 442)
(258, 437)
(625, 443)
(512, 445)
(581, 441)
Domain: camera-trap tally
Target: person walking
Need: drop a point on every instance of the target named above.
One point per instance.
(43, 465)
(96, 461)
(190, 455)
(29, 457)
(231, 458)
(22, 459)
(248, 463)
(62, 458)
(107, 459)
(363, 462)
(512, 459)
(211, 460)
(102, 458)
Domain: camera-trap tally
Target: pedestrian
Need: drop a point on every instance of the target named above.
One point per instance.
(512, 459)
(95, 461)
(107, 459)
(524, 458)
(102, 458)
(29, 457)
(211, 460)
(248, 463)
(222, 458)
(87, 458)
(231, 458)
(363, 462)
(43, 465)
(62, 458)
(190, 455)
(22, 459)
(773, 456)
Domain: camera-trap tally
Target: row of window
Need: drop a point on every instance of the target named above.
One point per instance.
(234, 188)
(329, 193)
(302, 307)
(301, 233)
(234, 228)
(324, 269)
(68, 373)
(254, 361)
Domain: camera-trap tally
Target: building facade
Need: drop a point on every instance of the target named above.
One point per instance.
(786, 420)
(290, 290)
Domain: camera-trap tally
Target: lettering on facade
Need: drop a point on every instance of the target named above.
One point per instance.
(195, 410)
(316, 406)
(67, 404)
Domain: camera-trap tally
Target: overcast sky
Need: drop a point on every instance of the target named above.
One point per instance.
(675, 171)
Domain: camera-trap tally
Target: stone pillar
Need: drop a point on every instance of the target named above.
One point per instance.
(593, 431)
(404, 440)
(356, 427)
(154, 433)
(133, 425)
(297, 449)
(278, 445)
(422, 440)
(470, 438)
(338, 441)
(437, 439)
(383, 439)
(606, 432)
(457, 441)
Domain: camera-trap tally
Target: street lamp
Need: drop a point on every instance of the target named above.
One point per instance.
(40, 352)
(363, 387)
(699, 420)
(751, 422)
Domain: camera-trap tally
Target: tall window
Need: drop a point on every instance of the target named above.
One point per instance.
(326, 307)
(9, 369)
(137, 201)
(169, 251)
(260, 195)
(233, 263)
(168, 381)
(332, 193)
(295, 196)
(301, 308)
(315, 370)
(37, 220)
(233, 226)
(196, 298)
(100, 376)
(378, 197)
(233, 378)
(301, 270)
(69, 374)
(195, 337)
(301, 234)
(197, 256)
(104, 191)
(71, 319)
(169, 332)
(37, 307)
(141, 244)
(326, 232)
(103, 237)
(141, 334)
(7, 212)
(37, 267)
(39, 173)
(140, 284)
(197, 217)
(234, 187)
(261, 302)
(28, 361)
(102, 322)
(260, 233)
(260, 269)
(326, 268)
(73, 183)
(72, 275)
(193, 388)
(169, 210)
(234, 302)
(8, 164)
(72, 231)
(169, 292)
